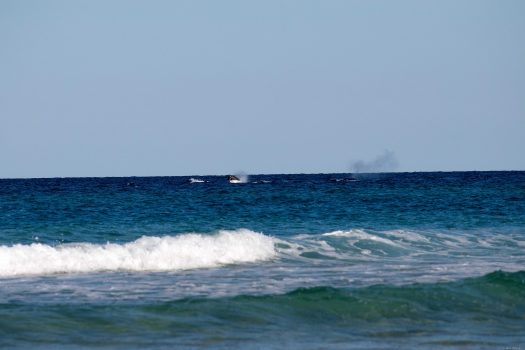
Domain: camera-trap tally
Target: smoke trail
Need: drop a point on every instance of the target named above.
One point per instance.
(382, 163)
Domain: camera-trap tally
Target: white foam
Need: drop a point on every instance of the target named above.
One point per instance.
(194, 181)
(169, 253)
(407, 235)
(358, 235)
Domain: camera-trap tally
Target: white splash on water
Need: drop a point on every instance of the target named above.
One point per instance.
(243, 177)
(360, 235)
(169, 253)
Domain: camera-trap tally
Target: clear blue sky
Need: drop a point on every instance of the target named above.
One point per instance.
(117, 88)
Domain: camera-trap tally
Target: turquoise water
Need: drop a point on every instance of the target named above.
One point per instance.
(427, 260)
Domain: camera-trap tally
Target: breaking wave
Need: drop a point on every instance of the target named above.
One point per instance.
(392, 243)
(169, 253)
(431, 253)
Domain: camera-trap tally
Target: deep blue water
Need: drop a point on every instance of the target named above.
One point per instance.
(428, 260)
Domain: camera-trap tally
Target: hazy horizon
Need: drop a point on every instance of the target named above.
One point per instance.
(262, 174)
(181, 88)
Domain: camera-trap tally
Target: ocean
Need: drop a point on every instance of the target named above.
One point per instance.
(300, 261)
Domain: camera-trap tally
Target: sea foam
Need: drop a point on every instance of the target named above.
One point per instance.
(169, 253)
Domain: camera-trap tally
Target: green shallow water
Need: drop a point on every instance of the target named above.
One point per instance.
(483, 312)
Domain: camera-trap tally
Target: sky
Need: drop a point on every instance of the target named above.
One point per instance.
(205, 87)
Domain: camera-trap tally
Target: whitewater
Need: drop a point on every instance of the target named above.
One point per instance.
(145, 254)
(255, 262)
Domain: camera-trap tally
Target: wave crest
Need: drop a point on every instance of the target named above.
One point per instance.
(169, 253)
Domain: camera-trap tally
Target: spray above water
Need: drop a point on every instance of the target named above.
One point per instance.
(239, 178)
(243, 178)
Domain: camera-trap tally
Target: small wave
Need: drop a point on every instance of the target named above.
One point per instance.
(476, 313)
(496, 294)
(499, 294)
(350, 244)
(194, 181)
(344, 180)
(369, 244)
(405, 235)
(170, 253)
(360, 235)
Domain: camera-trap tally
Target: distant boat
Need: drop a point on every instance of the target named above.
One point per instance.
(234, 179)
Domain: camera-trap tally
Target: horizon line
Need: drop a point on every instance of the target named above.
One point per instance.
(259, 174)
